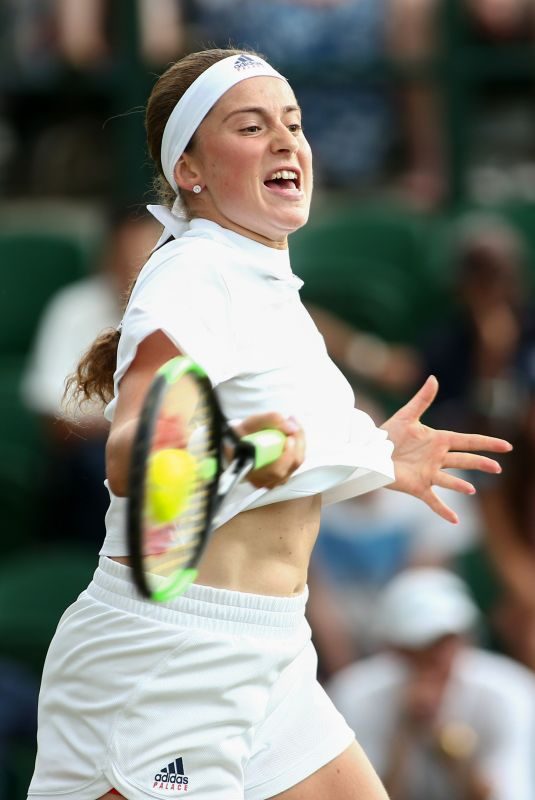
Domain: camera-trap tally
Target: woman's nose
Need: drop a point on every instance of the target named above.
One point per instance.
(284, 139)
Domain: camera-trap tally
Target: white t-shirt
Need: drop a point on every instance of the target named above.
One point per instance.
(233, 306)
(492, 694)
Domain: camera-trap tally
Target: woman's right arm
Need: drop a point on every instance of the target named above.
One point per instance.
(153, 351)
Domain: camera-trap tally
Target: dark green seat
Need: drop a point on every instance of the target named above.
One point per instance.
(367, 264)
(34, 265)
(20, 757)
(21, 462)
(36, 586)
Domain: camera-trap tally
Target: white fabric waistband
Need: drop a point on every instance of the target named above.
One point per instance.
(202, 607)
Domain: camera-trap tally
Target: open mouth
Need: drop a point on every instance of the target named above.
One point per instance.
(284, 180)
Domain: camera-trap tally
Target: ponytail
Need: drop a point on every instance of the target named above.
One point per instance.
(93, 377)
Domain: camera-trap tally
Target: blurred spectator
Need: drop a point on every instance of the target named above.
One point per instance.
(419, 40)
(360, 354)
(28, 42)
(503, 20)
(483, 359)
(439, 718)
(86, 31)
(508, 509)
(74, 496)
(365, 542)
(350, 104)
(414, 46)
(333, 51)
(318, 44)
(28, 55)
(83, 69)
(480, 354)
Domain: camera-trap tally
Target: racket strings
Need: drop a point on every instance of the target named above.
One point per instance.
(175, 545)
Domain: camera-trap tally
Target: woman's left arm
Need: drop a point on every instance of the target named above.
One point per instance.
(422, 454)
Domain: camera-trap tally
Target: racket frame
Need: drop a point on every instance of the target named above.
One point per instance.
(171, 372)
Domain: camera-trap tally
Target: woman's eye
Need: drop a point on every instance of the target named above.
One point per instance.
(251, 129)
(295, 127)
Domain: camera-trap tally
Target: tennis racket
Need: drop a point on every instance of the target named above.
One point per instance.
(185, 460)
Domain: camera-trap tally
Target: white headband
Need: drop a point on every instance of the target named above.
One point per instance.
(199, 98)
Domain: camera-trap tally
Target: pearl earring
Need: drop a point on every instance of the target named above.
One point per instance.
(197, 188)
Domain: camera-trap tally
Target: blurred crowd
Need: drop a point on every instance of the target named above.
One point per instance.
(420, 260)
(376, 80)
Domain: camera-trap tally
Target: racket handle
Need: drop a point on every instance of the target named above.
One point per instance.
(268, 445)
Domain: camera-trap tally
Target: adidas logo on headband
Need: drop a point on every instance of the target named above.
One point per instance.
(246, 62)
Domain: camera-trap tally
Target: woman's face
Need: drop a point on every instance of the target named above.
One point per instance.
(253, 162)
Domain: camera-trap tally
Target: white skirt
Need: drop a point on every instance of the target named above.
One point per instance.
(214, 693)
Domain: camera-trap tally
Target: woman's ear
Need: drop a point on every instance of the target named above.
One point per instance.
(186, 173)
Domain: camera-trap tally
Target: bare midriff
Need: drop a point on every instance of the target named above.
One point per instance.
(263, 551)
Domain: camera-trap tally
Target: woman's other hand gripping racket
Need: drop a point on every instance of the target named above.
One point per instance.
(275, 473)
(185, 460)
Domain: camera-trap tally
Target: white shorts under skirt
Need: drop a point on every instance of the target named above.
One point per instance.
(213, 694)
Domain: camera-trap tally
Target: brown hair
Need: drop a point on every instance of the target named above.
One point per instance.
(94, 374)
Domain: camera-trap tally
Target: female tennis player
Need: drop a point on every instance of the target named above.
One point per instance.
(214, 693)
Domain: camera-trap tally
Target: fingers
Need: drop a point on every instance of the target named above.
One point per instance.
(292, 457)
(421, 401)
(467, 461)
(475, 441)
(439, 507)
(447, 481)
(269, 419)
(279, 471)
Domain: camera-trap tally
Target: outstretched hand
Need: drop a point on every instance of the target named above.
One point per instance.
(422, 454)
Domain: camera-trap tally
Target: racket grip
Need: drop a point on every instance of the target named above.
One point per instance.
(268, 445)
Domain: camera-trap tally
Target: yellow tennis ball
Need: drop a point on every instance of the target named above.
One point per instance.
(171, 479)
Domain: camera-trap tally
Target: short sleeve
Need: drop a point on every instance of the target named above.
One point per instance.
(191, 305)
